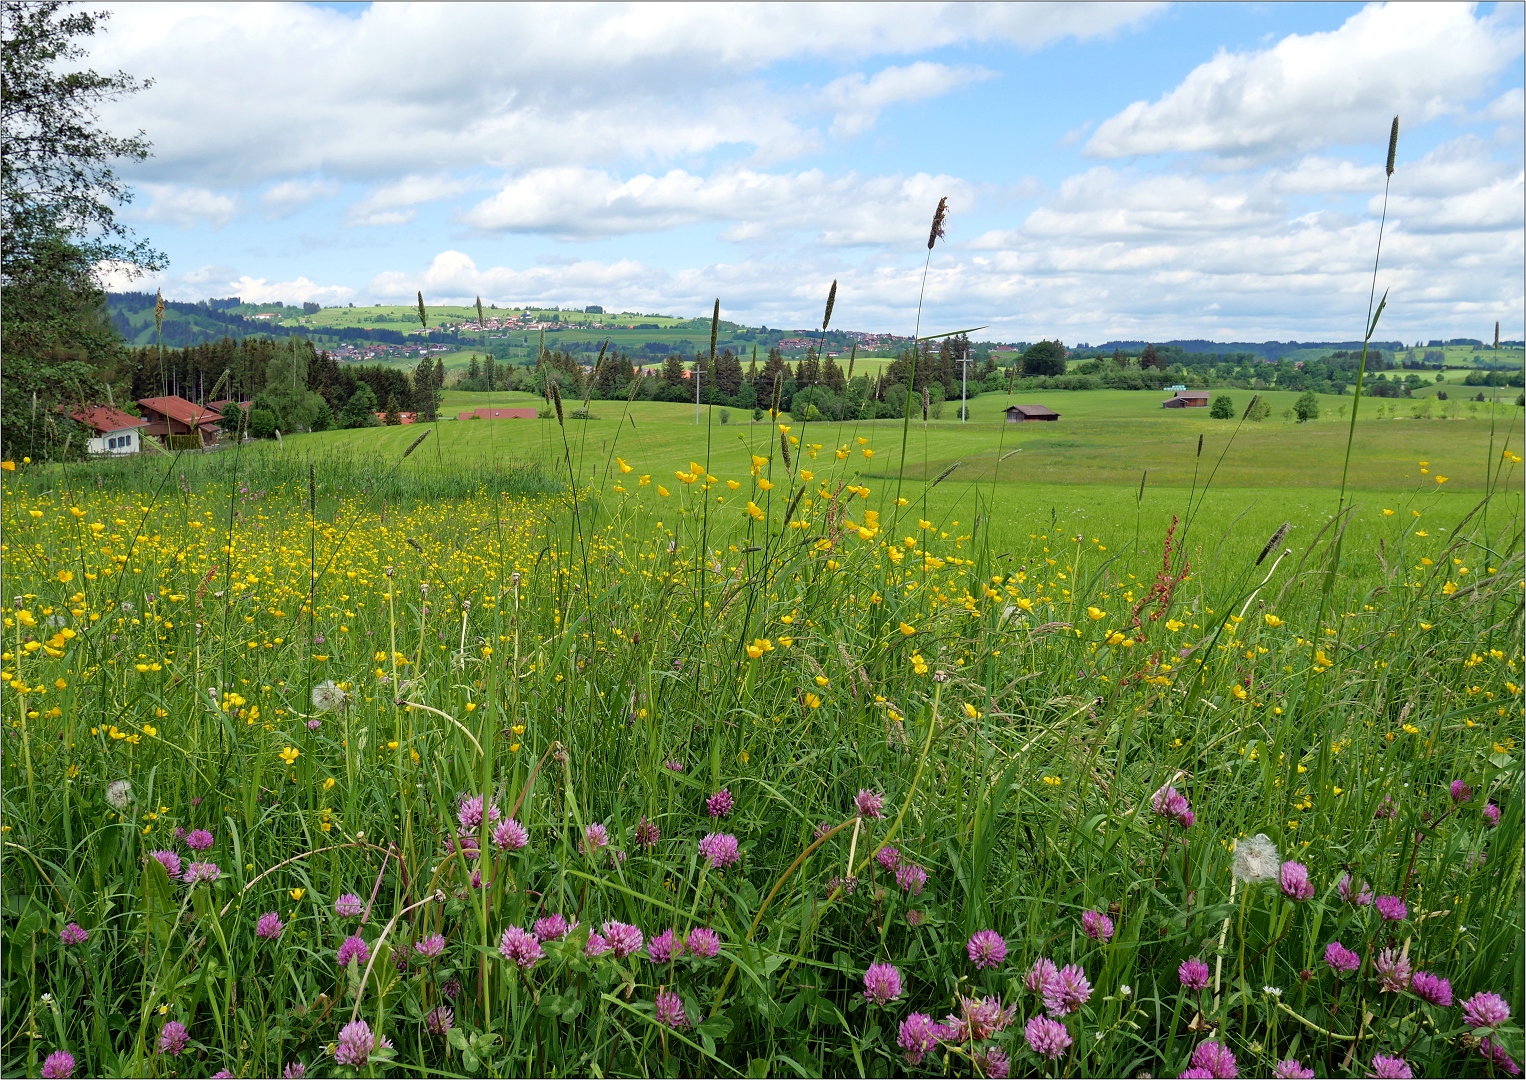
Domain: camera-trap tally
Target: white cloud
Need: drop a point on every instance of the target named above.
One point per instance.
(260, 291)
(249, 92)
(858, 102)
(223, 281)
(1105, 258)
(287, 196)
(1509, 106)
(845, 210)
(1420, 61)
(392, 204)
(186, 207)
(1491, 208)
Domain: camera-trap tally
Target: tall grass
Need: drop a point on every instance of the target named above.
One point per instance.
(1014, 724)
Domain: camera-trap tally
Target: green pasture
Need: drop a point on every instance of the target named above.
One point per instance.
(1103, 437)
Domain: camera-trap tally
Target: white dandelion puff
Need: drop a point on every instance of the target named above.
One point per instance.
(1256, 860)
(329, 697)
(119, 794)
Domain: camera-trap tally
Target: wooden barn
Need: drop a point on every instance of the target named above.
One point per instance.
(1018, 414)
(1187, 399)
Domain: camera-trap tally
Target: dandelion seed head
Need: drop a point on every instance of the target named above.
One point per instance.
(119, 794)
(328, 697)
(1255, 860)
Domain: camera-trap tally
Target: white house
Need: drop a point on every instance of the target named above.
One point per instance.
(114, 431)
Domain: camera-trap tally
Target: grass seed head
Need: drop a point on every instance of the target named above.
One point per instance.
(1277, 538)
(940, 215)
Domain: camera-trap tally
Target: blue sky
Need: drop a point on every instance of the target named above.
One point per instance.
(1140, 171)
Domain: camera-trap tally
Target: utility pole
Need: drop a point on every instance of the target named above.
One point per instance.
(964, 386)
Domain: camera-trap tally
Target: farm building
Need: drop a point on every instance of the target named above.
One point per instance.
(1187, 399)
(175, 416)
(1017, 414)
(115, 432)
(497, 414)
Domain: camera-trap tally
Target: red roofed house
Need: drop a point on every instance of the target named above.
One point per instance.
(115, 431)
(175, 416)
(497, 414)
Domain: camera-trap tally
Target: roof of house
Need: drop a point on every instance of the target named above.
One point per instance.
(104, 418)
(1192, 393)
(1032, 410)
(219, 406)
(181, 410)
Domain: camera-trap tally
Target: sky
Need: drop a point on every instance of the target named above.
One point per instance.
(1139, 171)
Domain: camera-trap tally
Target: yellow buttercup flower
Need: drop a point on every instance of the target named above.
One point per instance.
(289, 755)
(298, 894)
(1095, 614)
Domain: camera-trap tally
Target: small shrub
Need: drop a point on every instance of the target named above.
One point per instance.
(262, 423)
(1223, 408)
(725, 416)
(1306, 408)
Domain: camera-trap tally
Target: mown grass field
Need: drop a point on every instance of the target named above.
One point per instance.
(1104, 437)
(815, 763)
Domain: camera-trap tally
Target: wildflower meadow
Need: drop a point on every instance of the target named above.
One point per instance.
(768, 762)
